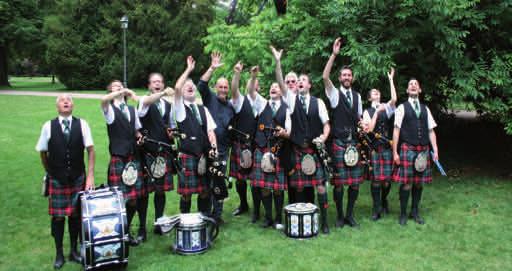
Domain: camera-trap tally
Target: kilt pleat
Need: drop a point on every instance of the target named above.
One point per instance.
(235, 170)
(189, 182)
(274, 181)
(406, 173)
(345, 175)
(298, 179)
(382, 164)
(63, 199)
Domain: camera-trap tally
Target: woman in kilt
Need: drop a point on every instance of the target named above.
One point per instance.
(413, 138)
(61, 146)
(196, 122)
(379, 118)
(123, 132)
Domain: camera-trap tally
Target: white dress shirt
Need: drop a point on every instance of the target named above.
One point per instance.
(390, 110)
(178, 113)
(110, 116)
(258, 104)
(42, 143)
(334, 97)
(400, 112)
(322, 110)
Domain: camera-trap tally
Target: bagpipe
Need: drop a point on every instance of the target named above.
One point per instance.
(268, 160)
(245, 148)
(157, 169)
(325, 158)
(216, 171)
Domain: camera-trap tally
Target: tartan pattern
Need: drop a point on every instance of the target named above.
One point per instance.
(115, 173)
(235, 170)
(259, 178)
(162, 184)
(189, 182)
(344, 175)
(63, 199)
(405, 172)
(382, 164)
(298, 179)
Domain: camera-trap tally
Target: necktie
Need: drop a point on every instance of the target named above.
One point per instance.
(273, 106)
(159, 106)
(417, 108)
(124, 111)
(67, 131)
(303, 102)
(349, 98)
(195, 111)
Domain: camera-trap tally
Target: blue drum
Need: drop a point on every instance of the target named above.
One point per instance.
(105, 240)
(301, 220)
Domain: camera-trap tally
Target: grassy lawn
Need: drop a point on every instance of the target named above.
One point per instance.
(467, 217)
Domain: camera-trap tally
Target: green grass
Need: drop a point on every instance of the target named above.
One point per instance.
(467, 218)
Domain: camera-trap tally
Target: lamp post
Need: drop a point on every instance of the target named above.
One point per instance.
(124, 26)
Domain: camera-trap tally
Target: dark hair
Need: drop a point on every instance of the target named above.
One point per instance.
(307, 76)
(109, 86)
(153, 74)
(346, 67)
(369, 94)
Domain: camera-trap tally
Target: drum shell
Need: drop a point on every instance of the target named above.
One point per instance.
(301, 224)
(193, 234)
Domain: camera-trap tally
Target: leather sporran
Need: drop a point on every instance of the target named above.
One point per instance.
(308, 165)
(130, 174)
(351, 156)
(158, 167)
(246, 158)
(201, 166)
(268, 163)
(420, 162)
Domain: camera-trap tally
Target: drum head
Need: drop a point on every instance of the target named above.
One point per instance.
(158, 167)
(351, 156)
(192, 219)
(268, 163)
(130, 174)
(308, 164)
(246, 158)
(420, 162)
(300, 207)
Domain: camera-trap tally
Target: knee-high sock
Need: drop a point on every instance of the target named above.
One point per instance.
(404, 197)
(338, 199)
(185, 205)
(203, 204)
(142, 210)
(309, 194)
(256, 199)
(57, 228)
(267, 204)
(159, 201)
(322, 204)
(416, 198)
(130, 213)
(385, 192)
(299, 196)
(241, 189)
(375, 190)
(218, 206)
(278, 202)
(352, 197)
(291, 194)
(74, 231)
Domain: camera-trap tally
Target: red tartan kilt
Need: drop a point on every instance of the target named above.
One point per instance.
(235, 170)
(274, 181)
(382, 165)
(115, 178)
(298, 179)
(346, 175)
(189, 182)
(162, 184)
(405, 173)
(63, 199)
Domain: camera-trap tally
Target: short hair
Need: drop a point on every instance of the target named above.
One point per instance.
(192, 82)
(64, 96)
(292, 73)
(369, 94)
(307, 76)
(346, 67)
(109, 86)
(153, 74)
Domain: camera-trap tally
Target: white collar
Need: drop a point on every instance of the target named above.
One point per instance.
(344, 90)
(276, 102)
(188, 103)
(61, 118)
(412, 100)
(375, 104)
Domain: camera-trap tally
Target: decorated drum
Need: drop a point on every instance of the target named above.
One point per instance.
(104, 224)
(301, 220)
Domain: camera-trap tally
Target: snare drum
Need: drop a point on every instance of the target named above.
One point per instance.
(104, 224)
(301, 220)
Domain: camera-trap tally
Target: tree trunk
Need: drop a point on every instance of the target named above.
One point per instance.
(4, 74)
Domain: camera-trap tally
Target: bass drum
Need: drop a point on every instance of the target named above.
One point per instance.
(301, 220)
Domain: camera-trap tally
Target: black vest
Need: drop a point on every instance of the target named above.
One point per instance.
(155, 125)
(383, 126)
(245, 120)
(66, 160)
(305, 126)
(414, 130)
(343, 118)
(196, 142)
(121, 133)
(266, 119)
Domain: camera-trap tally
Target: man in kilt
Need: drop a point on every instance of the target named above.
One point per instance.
(61, 146)
(154, 114)
(413, 136)
(245, 120)
(122, 127)
(310, 124)
(379, 118)
(222, 112)
(346, 112)
(197, 123)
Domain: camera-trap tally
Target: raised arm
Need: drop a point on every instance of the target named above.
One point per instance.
(373, 120)
(105, 101)
(279, 73)
(191, 63)
(251, 86)
(235, 82)
(153, 98)
(215, 63)
(391, 74)
(328, 85)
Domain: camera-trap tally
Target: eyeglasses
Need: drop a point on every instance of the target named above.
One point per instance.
(290, 81)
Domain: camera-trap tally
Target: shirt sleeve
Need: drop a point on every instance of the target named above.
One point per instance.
(399, 116)
(179, 109)
(141, 108)
(430, 119)
(42, 143)
(204, 91)
(237, 103)
(138, 125)
(360, 107)
(86, 133)
(288, 122)
(109, 114)
(390, 110)
(210, 123)
(289, 99)
(322, 111)
(366, 117)
(333, 96)
(259, 104)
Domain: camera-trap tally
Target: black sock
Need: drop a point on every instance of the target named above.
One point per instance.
(352, 197)
(338, 199)
(241, 189)
(159, 202)
(185, 205)
(385, 191)
(142, 209)
(322, 204)
(267, 204)
(309, 194)
(416, 197)
(74, 231)
(130, 213)
(375, 190)
(404, 197)
(203, 205)
(299, 196)
(57, 230)
(291, 195)
(278, 202)
(256, 199)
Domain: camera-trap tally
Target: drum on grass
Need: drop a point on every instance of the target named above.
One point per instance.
(301, 220)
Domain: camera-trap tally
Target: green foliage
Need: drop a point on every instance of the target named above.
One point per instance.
(85, 40)
(458, 49)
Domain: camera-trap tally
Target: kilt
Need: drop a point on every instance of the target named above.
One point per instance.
(63, 199)
(115, 172)
(344, 175)
(382, 164)
(162, 184)
(235, 170)
(273, 181)
(189, 182)
(298, 179)
(405, 172)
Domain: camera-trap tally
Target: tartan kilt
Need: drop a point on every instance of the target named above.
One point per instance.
(189, 182)
(298, 179)
(344, 175)
(235, 170)
(162, 184)
(63, 199)
(405, 172)
(115, 177)
(382, 164)
(273, 181)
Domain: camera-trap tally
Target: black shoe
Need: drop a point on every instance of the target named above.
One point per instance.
(325, 228)
(74, 256)
(349, 220)
(132, 241)
(219, 221)
(417, 218)
(141, 235)
(375, 216)
(402, 220)
(385, 207)
(267, 223)
(158, 230)
(340, 222)
(59, 261)
(255, 218)
(240, 210)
